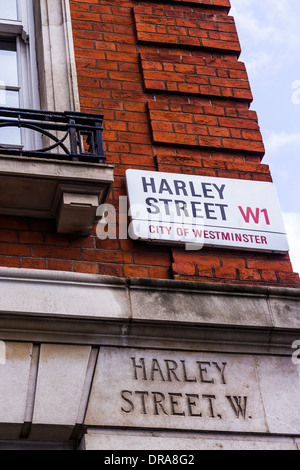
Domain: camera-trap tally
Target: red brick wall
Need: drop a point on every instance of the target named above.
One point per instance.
(175, 97)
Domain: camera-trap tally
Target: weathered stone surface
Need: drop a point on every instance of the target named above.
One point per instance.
(99, 440)
(199, 307)
(176, 390)
(14, 377)
(279, 380)
(66, 295)
(61, 375)
(167, 353)
(285, 312)
(51, 295)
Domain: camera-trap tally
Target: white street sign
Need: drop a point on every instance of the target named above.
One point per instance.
(219, 212)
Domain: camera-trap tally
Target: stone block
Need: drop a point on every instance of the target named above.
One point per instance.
(110, 441)
(14, 379)
(60, 382)
(176, 390)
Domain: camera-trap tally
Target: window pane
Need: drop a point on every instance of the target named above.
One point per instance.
(10, 136)
(9, 63)
(8, 9)
(9, 98)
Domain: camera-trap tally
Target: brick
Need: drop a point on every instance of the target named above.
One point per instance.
(190, 78)
(205, 272)
(29, 263)
(31, 237)
(196, 135)
(233, 262)
(158, 273)
(42, 225)
(9, 236)
(196, 257)
(52, 252)
(184, 29)
(107, 256)
(269, 276)
(87, 268)
(276, 265)
(226, 273)
(13, 223)
(60, 265)
(249, 275)
(289, 278)
(224, 4)
(15, 249)
(186, 269)
(110, 270)
(58, 239)
(153, 259)
(135, 271)
(10, 262)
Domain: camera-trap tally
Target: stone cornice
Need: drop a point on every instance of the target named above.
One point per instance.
(80, 278)
(99, 310)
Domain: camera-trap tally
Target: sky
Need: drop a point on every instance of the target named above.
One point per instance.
(269, 34)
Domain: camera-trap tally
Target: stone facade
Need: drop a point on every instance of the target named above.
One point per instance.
(95, 361)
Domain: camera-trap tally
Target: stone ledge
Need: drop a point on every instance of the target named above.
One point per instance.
(170, 284)
(139, 440)
(67, 191)
(92, 309)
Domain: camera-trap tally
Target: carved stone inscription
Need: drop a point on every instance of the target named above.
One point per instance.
(180, 390)
(176, 403)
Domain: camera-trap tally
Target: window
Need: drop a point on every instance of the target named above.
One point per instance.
(36, 56)
(9, 86)
(18, 71)
(9, 9)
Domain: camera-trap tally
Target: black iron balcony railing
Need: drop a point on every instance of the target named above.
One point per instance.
(65, 136)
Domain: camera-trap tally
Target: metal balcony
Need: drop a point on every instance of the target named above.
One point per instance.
(72, 136)
(66, 178)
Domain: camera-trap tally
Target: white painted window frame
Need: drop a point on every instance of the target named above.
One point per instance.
(29, 96)
(46, 59)
(24, 32)
(55, 56)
